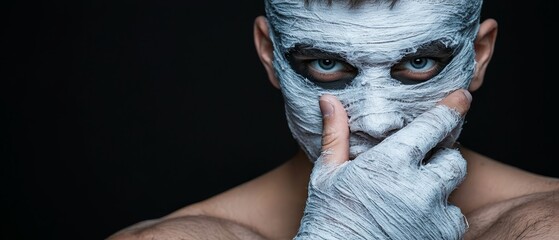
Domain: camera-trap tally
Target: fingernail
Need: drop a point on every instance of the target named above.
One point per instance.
(467, 94)
(326, 108)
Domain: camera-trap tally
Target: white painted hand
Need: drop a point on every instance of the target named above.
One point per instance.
(387, 192)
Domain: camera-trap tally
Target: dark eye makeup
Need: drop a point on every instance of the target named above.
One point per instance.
(423, 64)
(331, 71)
(325, 69)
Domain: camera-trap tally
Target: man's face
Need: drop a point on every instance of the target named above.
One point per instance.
(386, 65)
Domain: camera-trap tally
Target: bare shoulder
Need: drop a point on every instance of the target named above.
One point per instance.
(533, 216)
(501, 201)
(491, 181)
(186, 227)
(242, 212)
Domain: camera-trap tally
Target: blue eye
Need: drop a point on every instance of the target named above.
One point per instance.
(326, 65)
(328, 70)
(422, 63)
(325, 72)
(419, 64)
(418, 69)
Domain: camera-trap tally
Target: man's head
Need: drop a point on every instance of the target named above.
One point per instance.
(386, 61)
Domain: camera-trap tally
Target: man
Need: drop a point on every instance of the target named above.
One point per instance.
(375, 94)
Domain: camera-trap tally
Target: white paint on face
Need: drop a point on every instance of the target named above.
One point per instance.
(372, 37)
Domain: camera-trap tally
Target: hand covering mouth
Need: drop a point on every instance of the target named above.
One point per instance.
(359, 144)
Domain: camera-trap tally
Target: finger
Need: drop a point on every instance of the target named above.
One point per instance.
(412, 142)
(335, 130)
(448, 167)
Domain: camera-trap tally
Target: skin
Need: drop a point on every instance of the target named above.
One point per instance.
(499, 201)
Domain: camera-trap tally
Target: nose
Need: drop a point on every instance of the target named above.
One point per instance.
(377, 125)
(373, 121)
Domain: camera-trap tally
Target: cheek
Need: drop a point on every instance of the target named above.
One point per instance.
(302, 111)
(306, 128)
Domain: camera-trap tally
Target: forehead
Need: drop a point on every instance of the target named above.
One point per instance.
(370, 27)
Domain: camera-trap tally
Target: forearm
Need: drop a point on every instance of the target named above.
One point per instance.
(188, 227)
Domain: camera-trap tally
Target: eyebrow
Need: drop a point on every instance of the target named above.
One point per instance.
(436, 47)
(308, 50)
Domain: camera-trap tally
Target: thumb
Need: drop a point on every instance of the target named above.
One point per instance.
(335, 131)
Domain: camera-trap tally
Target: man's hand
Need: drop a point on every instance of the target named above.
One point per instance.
(395, 190)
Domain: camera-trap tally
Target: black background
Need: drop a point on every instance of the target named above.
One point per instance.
(119, 111)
